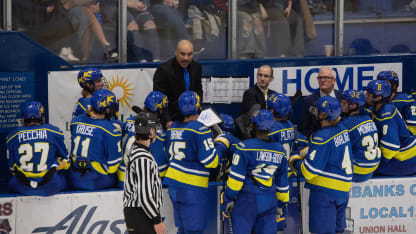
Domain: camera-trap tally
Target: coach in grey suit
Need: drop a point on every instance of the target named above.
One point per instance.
(326, 80)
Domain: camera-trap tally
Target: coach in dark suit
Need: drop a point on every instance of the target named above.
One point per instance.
(326, 80)
(259, 92)
(178, 75)
(255, 99)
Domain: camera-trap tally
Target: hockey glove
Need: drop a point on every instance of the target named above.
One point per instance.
(63, 164)
(293, 160)
(227, 206)
(223, 142)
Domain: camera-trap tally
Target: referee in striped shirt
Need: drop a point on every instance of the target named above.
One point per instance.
(142, 197)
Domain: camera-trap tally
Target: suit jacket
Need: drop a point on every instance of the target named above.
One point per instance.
(169, 80)
(254, 96)
(309, 123)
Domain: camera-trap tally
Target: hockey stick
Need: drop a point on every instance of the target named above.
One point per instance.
(209, 118)
(298, 188)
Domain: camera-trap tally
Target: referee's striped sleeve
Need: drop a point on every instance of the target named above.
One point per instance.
(149, 191)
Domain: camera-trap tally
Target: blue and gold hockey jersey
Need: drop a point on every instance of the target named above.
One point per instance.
(406, 105)
(192, 152)
(366, 153)
(81, 106)
(284, 133)
(397, 143)
(261, 163)
(33, 150)
(157, 148)
(98, 140)
(328, 165)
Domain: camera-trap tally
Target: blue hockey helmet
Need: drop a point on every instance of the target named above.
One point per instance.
(379, 88)
(354, 96)
(156, 101)
(33, 110)
(189, 103)
(280, 104)
(389, 76)
(89, 74)
(228, 123)
(263, 119)
(330, 106)
(103, 98)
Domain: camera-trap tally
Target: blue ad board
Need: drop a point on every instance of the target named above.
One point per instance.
(15, 89)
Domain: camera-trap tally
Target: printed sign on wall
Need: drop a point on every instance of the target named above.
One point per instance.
(288, 80)
(383, 206)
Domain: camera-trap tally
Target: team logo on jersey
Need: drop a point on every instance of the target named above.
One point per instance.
(324, 103)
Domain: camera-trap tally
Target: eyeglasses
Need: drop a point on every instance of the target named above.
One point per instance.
(325, 78)
(263, 75)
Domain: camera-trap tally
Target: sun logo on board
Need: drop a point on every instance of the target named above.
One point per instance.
(122, 89)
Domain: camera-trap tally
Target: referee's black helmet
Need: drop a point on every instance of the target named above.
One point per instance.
(145, 121)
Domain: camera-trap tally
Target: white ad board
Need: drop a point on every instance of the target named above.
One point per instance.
(129, 85)
(383, 206)
(87, 212)
(288, 80)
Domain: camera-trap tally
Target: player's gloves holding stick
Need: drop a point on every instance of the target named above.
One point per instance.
(227, 206)
(295, 160)
(222, 142)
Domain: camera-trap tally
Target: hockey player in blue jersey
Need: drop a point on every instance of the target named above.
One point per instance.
(192, 153)
(327, 168)
(90, 79)
(37, 155)
(155, 102)
(366, 153)
(258, 179)
(405, 103)
(96, 144)
(397, 143)
(283, 131)
(228, 127)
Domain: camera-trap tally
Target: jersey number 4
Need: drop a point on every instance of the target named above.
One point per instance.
(346, 160)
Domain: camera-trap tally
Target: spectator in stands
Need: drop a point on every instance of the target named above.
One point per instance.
(86, 20)
(286, 32)
(142, 31)
(176, 76)
(47, 23)
(255, 98)
(95, 144)
(326, 80)
(250, 32)
(37, 154)
(362, 46)
(169, 24)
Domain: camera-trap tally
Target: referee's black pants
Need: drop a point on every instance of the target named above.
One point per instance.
(137, 221)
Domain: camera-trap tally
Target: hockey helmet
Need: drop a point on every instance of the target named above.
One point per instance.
(189, 103)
